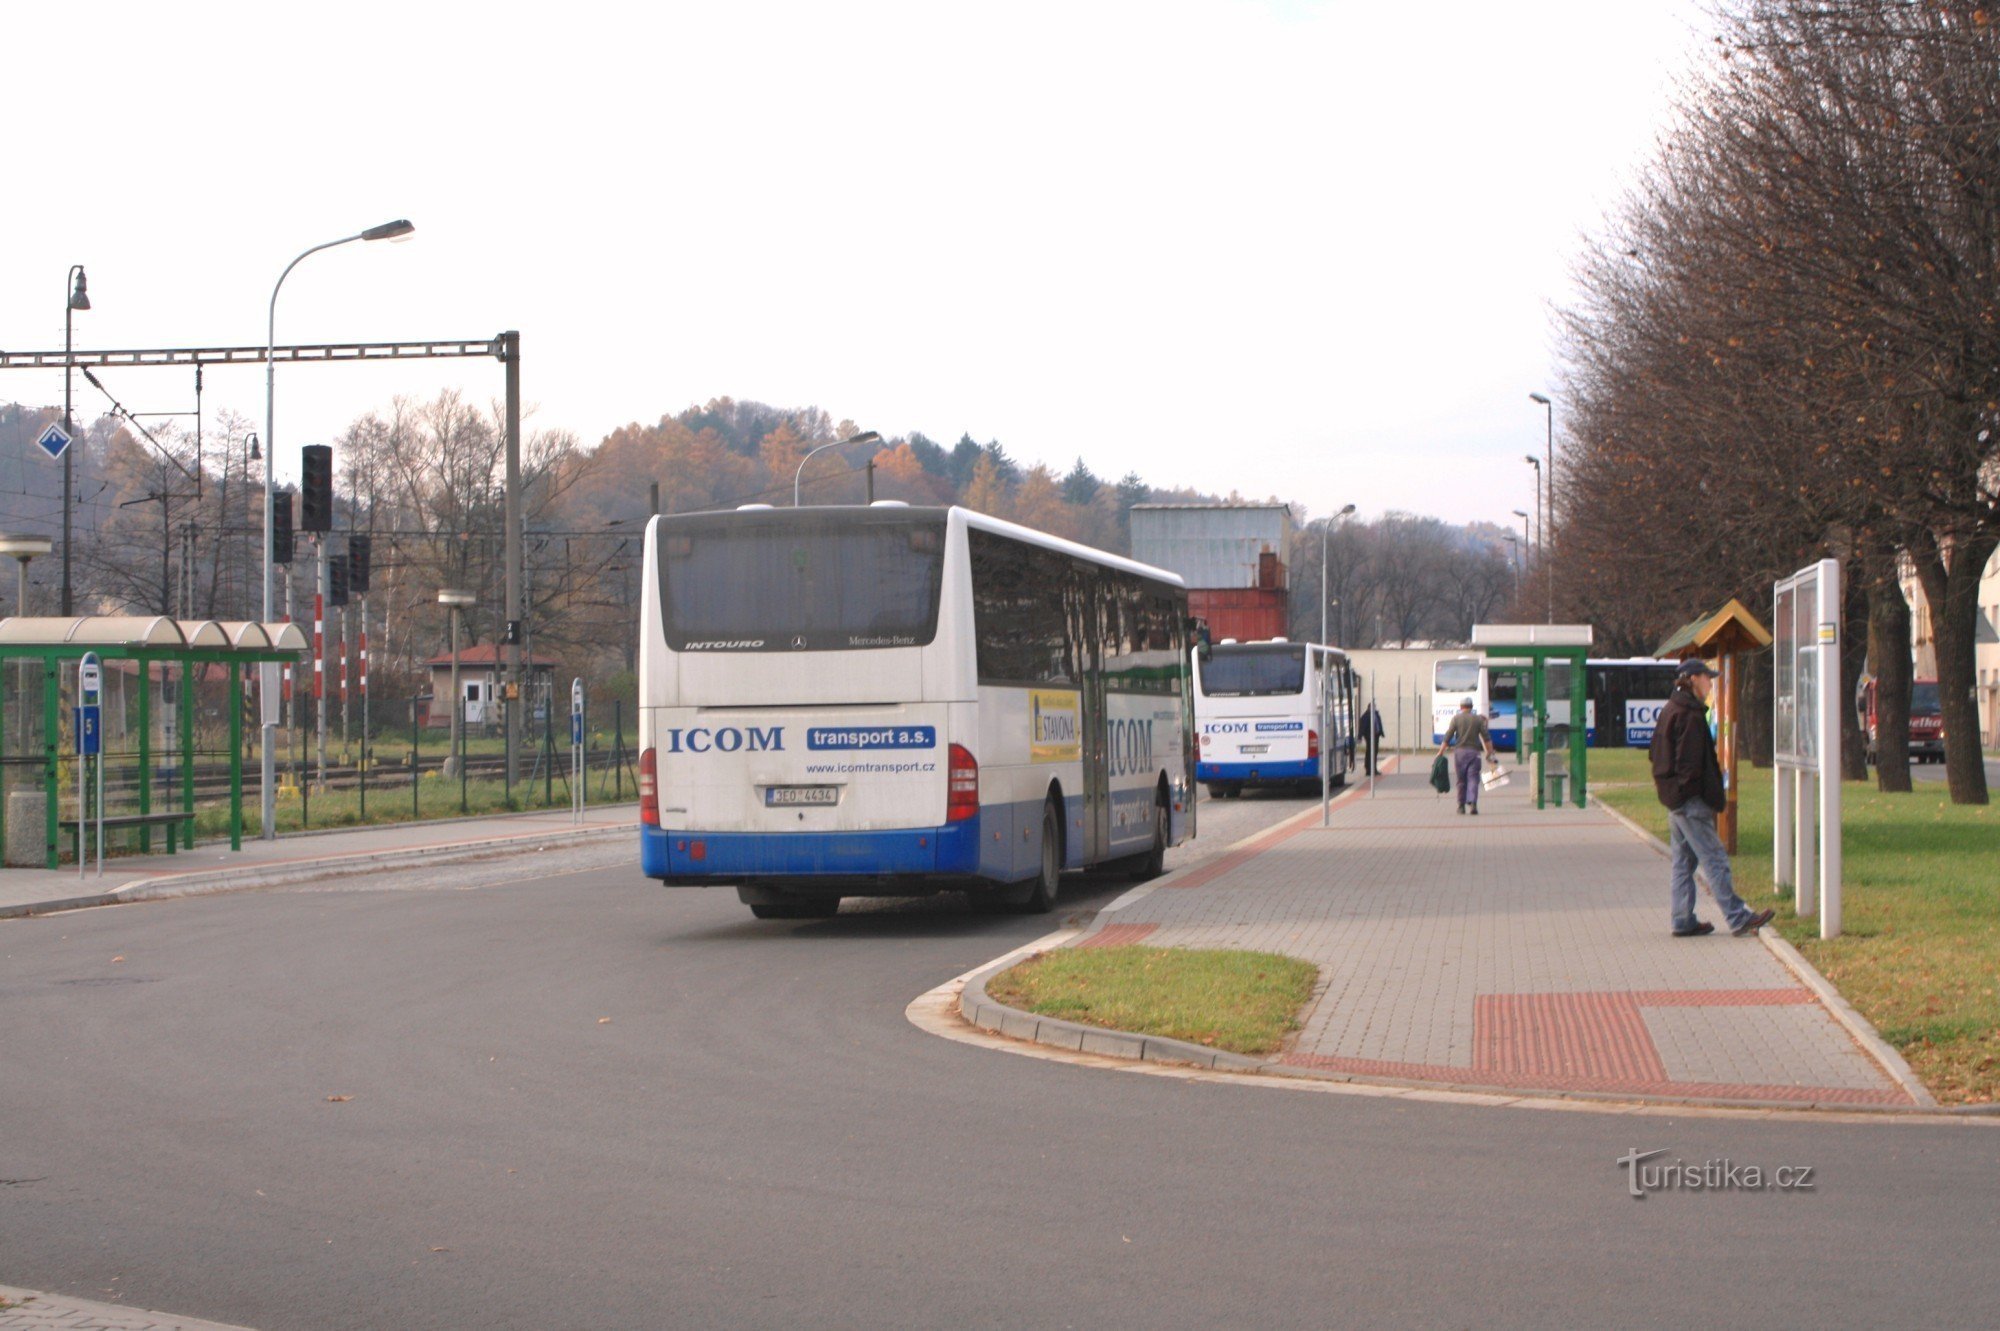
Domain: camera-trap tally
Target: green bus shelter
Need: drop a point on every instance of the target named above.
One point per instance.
(1546, 664)
(168, 657)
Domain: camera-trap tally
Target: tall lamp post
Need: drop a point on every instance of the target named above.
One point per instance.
(267, 675)
(1515, 541)
(865, 437)
(79, 299)
(1549, 477)
(1527, 538)
(23, 548)
(1324, 528)
(456, 601)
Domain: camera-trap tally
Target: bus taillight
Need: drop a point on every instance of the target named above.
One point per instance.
(962, 797)
(649, 788)
(1312, 744)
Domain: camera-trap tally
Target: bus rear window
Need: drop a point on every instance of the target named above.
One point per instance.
(1254, 672)
(1457, 676)
(801, 580)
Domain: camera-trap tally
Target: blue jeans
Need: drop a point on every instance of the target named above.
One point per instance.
(1692, 840)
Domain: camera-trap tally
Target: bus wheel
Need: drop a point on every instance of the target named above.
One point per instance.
(1041, 897)
(1154, 862)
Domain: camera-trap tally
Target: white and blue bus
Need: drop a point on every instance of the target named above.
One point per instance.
(888, 700)
(1274, 713)
(1622, 699)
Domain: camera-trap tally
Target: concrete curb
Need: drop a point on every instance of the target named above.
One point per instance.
(1858, 1027)
(251, 877)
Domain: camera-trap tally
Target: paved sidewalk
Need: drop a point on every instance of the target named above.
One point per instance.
(213, 867)
(1521, 949)
(31, 1310)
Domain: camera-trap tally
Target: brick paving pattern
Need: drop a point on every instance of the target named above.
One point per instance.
(1519, 949)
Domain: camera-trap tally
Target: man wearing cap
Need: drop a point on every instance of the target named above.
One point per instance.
(1467, 735)
(1689, 781)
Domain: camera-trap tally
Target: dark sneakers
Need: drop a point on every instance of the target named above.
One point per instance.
(1700, 927)
(1754, 923)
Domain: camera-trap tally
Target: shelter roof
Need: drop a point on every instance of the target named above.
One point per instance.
(123, 634)
(1730, 629)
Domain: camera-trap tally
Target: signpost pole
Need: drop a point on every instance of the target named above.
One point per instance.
(576, 749)
(1828, 722)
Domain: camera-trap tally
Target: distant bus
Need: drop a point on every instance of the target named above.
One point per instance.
(1624, 695)
(887, 700)
(1273, 713)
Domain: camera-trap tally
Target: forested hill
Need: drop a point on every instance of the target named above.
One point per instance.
(728, 452)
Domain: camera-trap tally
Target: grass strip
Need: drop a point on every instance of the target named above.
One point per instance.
(1919, 952)
(1244, 1002)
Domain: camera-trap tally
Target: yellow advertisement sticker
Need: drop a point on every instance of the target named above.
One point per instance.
(1055, 726)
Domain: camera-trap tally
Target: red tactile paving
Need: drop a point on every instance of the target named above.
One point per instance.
(1564, 1035)
(1595, 1042)
(1118, 935)
(1722, 997)
(1692, 1090)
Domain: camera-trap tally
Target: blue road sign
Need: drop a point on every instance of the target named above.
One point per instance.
(53, 441)
(89, 731)
(576, 728)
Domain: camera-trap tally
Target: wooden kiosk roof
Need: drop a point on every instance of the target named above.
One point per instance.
(1730, 630)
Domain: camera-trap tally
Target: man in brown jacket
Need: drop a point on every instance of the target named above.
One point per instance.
(1688, 780)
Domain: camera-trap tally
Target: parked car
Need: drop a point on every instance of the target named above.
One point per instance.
(1926, 719)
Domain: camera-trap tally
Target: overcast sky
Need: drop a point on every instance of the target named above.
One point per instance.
(1293, 249)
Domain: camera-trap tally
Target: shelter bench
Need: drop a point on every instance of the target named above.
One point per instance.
(171, 820)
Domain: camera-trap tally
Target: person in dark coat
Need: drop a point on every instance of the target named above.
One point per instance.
(1371, 734)
(1688, 779)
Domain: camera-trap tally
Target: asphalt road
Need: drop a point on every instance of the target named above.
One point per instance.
(452, 1100)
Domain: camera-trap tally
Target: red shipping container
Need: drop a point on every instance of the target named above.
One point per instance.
(1247, 614)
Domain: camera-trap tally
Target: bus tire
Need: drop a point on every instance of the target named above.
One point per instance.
(1046, 885)
(1153, 862)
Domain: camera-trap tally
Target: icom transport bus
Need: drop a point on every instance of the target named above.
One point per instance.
(1622, 699)
(1272, 713)
(888, 700)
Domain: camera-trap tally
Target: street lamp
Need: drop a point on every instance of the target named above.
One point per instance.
(865, 437)
(1323, 529)
(456, 601)
(1515, 562)
(395, 230)
(1536, 463)
(1549, 408)
(24, 548)
(1527, 540)
(79, 299)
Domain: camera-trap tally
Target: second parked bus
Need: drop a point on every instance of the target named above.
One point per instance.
(1273, 713)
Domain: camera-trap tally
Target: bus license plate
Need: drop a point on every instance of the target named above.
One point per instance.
(780, 796)
(1256, 748)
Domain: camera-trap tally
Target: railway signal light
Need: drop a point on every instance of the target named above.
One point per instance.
(316, 488)
(281, 527)
(359, 550)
